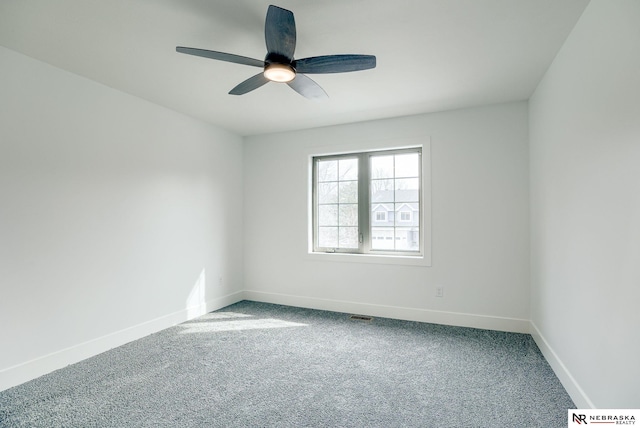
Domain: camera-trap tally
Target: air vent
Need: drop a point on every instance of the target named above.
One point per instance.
(361, 318)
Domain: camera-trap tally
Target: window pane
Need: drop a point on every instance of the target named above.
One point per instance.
(328, 237)
(381, 191)
(407, 190)
(381, 167)
(395, 202)
(328, 170)
(328, 215)
(328, 193)
(348, 237)
(348, 192)
(337, 203)
(348, 169)
(407, 165)
(348, 215)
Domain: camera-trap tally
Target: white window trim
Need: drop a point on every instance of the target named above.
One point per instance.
(423, 259)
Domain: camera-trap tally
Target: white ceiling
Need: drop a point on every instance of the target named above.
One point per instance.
(432, 55)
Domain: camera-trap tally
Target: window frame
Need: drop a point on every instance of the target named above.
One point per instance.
(315, 205)
(365, 215)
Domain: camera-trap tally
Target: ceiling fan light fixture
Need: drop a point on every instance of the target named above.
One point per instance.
(279, 73)
(280, 66)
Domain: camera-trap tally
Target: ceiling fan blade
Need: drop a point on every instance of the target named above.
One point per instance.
(280, 32)
(307, 88)
(334, 63)
(220, 56)
(249, 85)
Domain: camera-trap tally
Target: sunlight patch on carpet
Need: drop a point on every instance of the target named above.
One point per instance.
(237, 325)
(223, 315)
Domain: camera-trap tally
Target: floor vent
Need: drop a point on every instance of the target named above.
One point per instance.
(360, 318)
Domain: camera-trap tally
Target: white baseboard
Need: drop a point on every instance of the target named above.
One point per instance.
(32, 369)
(514, 325)
(576, 393)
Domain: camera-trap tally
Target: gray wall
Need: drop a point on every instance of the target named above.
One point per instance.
(117, 218)
(585, 208)
(479, 220)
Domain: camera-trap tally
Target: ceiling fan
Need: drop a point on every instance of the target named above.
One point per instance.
(279, 64)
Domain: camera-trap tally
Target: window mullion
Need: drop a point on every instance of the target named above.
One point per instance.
(364, 220)
(315, 204)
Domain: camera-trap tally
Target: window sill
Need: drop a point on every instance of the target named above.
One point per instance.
(385, 259)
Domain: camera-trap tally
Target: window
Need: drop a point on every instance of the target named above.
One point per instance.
(368, 203)
(381, 216)
(337, 203)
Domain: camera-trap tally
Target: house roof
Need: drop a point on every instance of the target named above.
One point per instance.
(393, 196)
(398, 207)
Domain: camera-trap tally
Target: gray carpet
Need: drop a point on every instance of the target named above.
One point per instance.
(259, 365)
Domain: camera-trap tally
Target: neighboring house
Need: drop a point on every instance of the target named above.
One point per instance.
(395, 225)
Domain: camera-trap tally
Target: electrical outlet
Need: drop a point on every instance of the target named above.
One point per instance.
(439, 291)
(220, 280)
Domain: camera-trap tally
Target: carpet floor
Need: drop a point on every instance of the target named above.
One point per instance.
(261, 365)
